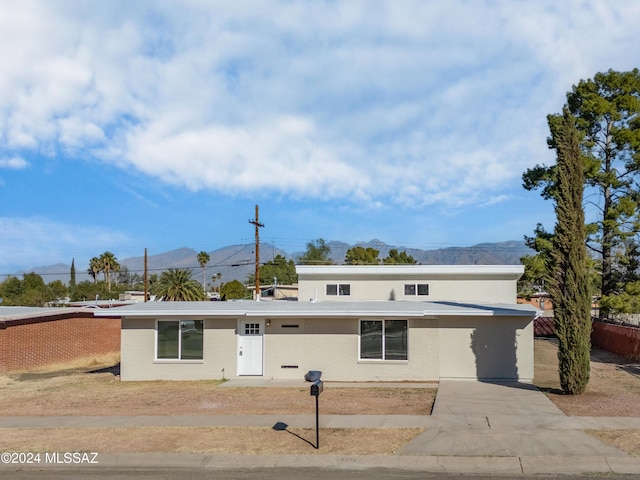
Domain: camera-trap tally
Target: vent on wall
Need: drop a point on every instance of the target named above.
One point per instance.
(288, 366)
(290, 326)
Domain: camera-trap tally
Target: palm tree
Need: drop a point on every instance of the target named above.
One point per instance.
(94, 268)
(109, 264)
(214, 279)
(203, 259)
(176, 284)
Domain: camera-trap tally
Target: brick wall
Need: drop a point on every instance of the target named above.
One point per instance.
(620, 339)
(35, 342)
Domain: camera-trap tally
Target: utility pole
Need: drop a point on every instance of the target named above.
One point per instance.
(146, 276)
(258, 225)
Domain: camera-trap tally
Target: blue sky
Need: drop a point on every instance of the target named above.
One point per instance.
(157, 124)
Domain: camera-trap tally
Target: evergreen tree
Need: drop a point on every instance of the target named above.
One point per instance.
(362, 256)
(398, 258)
(233, 290)
(72, 275)
(569, 286)
(607, 116)
(317, 253)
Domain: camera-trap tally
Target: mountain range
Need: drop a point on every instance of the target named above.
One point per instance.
(238, 261)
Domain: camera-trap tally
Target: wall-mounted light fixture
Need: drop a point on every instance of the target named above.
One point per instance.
(268, 322)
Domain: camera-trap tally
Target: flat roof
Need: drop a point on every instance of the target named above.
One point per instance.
(515, 270)
(18, 313)
(383, 308)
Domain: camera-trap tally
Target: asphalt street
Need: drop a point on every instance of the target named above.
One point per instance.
(267, 474)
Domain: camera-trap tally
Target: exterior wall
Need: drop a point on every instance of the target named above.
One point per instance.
(332, 346)
(138, 357)
(454, 288)
(620, 339)
(36, 342)
(488, 348)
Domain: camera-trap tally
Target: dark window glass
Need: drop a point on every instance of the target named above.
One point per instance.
(191, 341)
(345, 289)
(332, 289)
(371, 339)
(423, 289)
(181, 340)
(395, 339)
(383, 340)
(410, 289)
(168, 339)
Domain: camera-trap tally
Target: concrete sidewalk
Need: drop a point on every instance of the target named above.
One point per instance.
(502, 420)
(475, 427)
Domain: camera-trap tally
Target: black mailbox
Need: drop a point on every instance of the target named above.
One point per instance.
(316, 388)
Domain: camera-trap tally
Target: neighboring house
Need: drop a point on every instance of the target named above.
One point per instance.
(276, 292)
(32, 337)
(134, 296)
(467, 326)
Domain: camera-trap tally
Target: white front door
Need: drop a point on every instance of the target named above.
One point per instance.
(250, 347)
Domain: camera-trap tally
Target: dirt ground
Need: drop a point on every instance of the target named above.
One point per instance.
(248, 440)
(75, 392)
(71, 390)
(613, 391)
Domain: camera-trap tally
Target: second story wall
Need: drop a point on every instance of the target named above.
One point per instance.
(454, 283)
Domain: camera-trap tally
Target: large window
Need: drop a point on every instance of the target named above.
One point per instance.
(179, 339)
(341, 289)
(411, 289)
(383, 339)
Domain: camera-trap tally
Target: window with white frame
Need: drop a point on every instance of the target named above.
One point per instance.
(340, 289)
(383, 339)
(412, 289)
(179, 339)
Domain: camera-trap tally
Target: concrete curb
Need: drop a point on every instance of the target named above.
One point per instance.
(514, 466)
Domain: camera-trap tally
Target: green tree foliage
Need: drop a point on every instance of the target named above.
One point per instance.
(362, 256)
(203, 259)
(280, 268)
(607, 117)
(398, 258)
(317, 253)
(31, 291)
(176, 284)
(108, 264)
(569, 285)
(233, 290)
(87, 291)
(72, 275)
(94, 268)
(129, 280)
(536, 267)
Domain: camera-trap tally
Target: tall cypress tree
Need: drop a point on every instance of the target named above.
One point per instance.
(569, 284)
(72, 282)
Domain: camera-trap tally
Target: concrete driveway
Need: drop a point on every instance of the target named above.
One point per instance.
(501, 419)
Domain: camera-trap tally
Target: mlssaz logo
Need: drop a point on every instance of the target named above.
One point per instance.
(71, 457)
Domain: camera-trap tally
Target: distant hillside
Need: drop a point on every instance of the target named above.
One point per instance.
(502, 253)
(238, 261)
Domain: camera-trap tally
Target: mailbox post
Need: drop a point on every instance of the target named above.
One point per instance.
(316, 390)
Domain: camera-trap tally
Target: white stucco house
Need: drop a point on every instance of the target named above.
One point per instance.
(354, 323)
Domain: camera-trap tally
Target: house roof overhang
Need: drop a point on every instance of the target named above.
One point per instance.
(319, 309)
(410, 271)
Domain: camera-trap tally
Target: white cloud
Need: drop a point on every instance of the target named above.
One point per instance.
(407, 103)
(14, 163)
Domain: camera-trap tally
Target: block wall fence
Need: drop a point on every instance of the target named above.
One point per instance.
(620, 339)
(39, 341)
